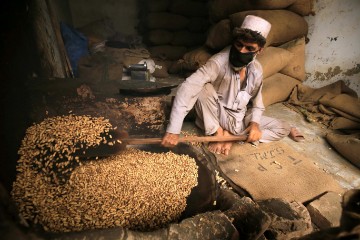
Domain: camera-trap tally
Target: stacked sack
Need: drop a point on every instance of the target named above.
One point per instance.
(283, 59)
(171, 28)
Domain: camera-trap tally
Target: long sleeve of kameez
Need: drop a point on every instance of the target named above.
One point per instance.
(257, 107)
(188, 93)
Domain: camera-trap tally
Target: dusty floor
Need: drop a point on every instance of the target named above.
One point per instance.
(315, 145)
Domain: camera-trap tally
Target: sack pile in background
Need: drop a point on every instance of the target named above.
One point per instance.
(283, 59)
(172, 28)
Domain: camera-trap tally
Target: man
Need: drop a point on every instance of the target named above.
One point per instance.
(226, 92)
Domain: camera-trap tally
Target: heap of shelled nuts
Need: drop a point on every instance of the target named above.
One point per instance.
(134, 189)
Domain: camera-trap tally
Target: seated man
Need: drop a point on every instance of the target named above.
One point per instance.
(226, 92)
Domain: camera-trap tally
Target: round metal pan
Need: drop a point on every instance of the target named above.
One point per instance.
(137, 87)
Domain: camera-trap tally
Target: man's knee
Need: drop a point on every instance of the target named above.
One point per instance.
(208, 92)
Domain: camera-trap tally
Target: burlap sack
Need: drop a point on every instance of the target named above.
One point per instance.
(303, 94)
(167, 52)
(285, 25)
(133, 56)
(296, 67)
(166, 20)
(189, 8)
(277, 88)
(273, 59)
(199, 55)
(159, 37)
(220, 35)
(157, 5)
(219, 9)
(182, 67)
(198, 24)
(128, 56)
(343, 123)
(345, 102)
(275, 170)
(347, 145)
(161, 69)
(302, 7)
(188, 39)
(99, 68)
(314, 101)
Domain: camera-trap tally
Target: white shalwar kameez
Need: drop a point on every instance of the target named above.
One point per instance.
(222, 101)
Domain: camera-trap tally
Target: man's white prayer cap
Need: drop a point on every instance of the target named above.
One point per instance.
(257, 24)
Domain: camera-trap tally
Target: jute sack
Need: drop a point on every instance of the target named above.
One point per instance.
(166, 20)
(273, 59)
(275, 170)
(99, 68)
(188, 39)
(277, 88)
(344, 102)
(189, 8)
(219, 9)
(199, 55)
(220, 35)
(159, 37)
(198, 24)
(161, 69)
(182, 67)
(131, 56)
(285, 25)
(296, 67)
(347, 145)
(167, 52)
(302, 7)
(157, 5)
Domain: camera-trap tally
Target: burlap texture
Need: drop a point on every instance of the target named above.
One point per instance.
(346, 103)
(285, 25)
(188, 39)
(161, 69)
(347, 145)
(334, 98)
(219, 9)
(167, 52)
(128, 56)
(277, 88)
(199, 55)
(100, 68)
(159, 37)
(157, 5)
(274, 59)
(275, 170)
(198, 24)
(219, 35)
(166, 21)
(302, 7)
(189, 8)
(296, 67)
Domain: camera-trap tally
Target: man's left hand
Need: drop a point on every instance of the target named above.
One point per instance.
(254, 133)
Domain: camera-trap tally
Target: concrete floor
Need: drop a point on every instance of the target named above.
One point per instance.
(315, 146)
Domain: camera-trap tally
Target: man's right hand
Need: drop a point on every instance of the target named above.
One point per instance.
(170, 140)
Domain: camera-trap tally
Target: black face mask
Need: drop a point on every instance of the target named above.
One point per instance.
(238, 59)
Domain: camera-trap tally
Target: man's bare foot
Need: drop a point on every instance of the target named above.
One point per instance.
(226, 145)
(216, 147)
(221, 147)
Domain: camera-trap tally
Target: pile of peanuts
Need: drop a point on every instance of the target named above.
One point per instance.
(135, 189)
